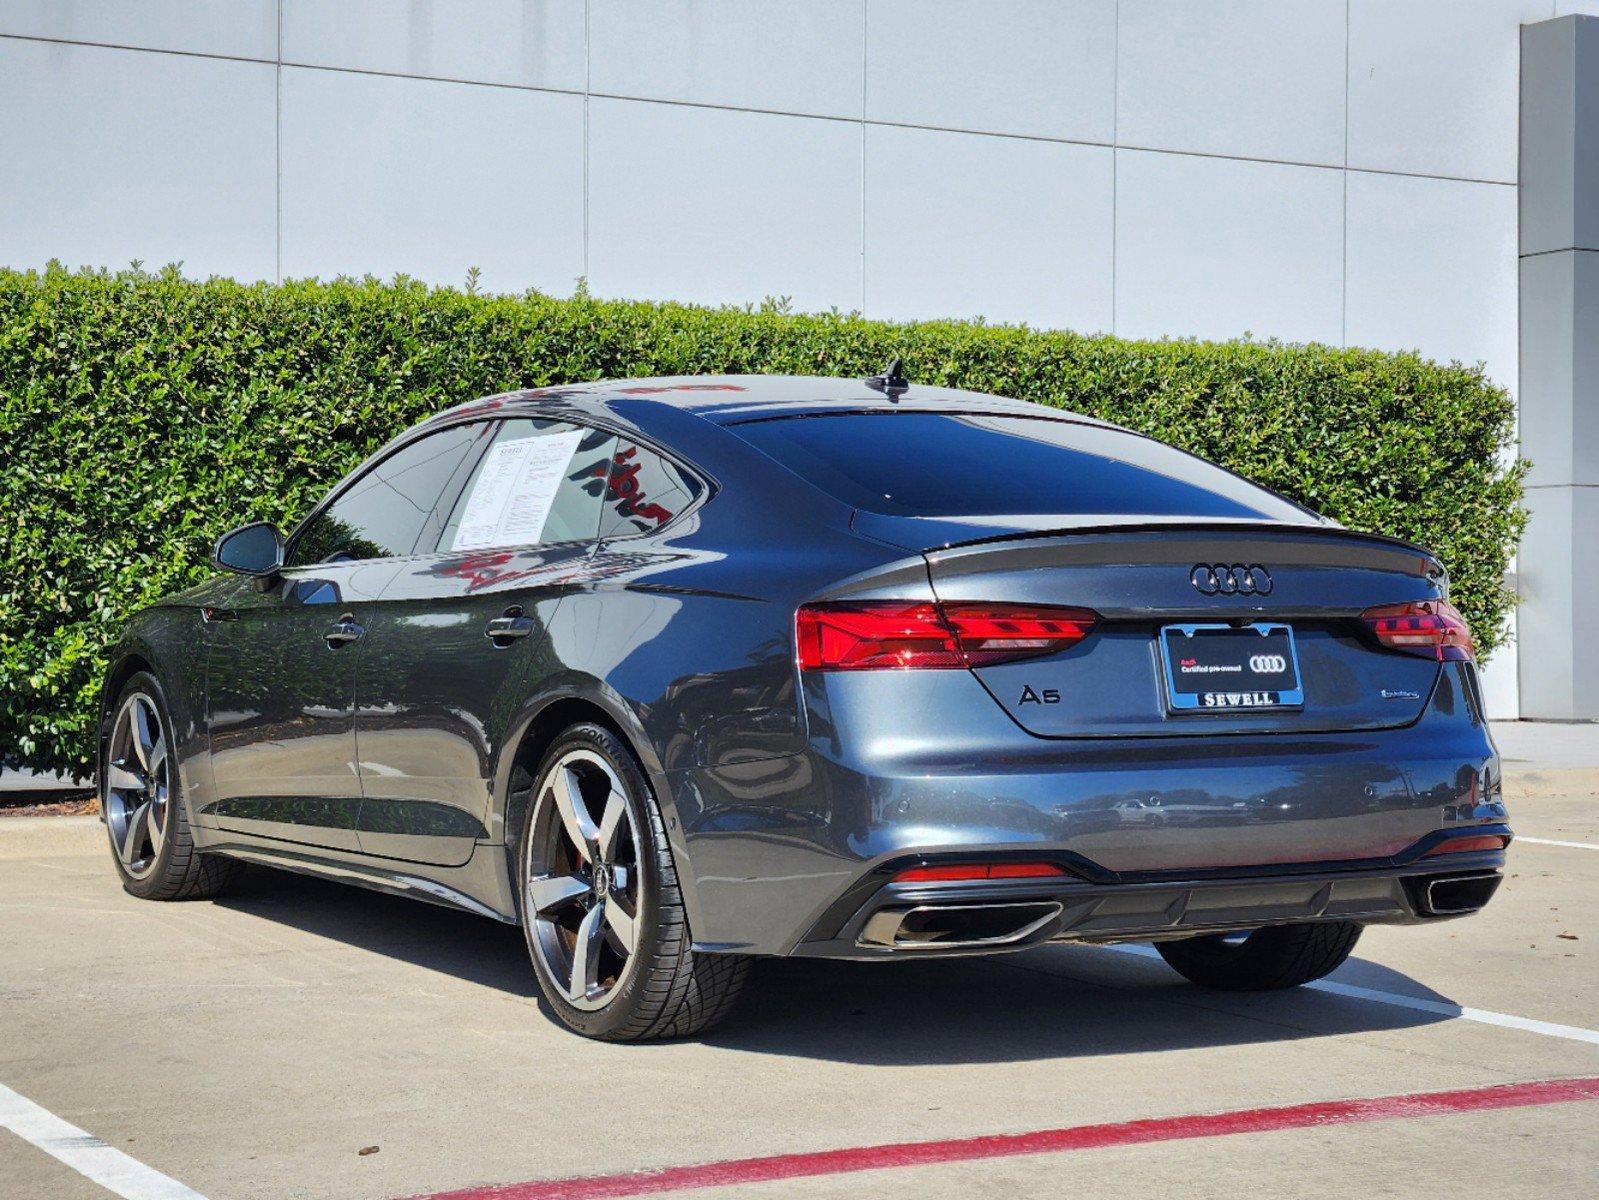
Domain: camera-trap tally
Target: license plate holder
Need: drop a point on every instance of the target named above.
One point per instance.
(1218, 668)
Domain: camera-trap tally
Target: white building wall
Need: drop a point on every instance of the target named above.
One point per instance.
(1333, 170)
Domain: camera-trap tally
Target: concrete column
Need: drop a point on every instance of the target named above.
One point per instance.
(1558, 568)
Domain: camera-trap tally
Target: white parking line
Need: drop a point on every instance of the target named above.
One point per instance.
(85, 1153)
(1441, 1007)
(1554, 842)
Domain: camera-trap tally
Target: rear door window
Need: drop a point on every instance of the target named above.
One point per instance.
(539, 483)
(925, 464)
(645, 491)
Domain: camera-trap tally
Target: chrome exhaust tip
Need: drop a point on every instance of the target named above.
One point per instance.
(1447, 895)
(932, 927)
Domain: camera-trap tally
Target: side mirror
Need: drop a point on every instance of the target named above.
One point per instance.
(255, 549)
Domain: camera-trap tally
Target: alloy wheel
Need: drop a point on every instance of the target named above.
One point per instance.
(138, 786)
(582, 894)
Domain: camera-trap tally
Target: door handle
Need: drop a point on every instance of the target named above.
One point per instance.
(343, 631)
(502, 631)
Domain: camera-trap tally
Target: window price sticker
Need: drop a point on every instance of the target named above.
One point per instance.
(511, 500)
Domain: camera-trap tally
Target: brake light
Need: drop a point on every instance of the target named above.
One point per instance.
(896, 635)
(1430, 628)
(960, 871)
(991, 633)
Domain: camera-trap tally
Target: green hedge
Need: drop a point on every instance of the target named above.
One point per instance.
(141, 415)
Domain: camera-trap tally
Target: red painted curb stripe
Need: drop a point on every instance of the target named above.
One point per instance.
(1045, 1141)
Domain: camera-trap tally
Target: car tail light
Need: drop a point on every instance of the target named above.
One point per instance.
(991, 633)
(1429, 628)
(958, 871)
(896, 635)
(1023, 870)
(1469, 845)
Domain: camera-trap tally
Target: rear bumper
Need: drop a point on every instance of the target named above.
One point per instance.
(777, 854)
(898, 920)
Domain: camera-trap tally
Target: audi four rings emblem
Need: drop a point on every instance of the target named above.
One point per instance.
(1219, 579)
(1268, 664)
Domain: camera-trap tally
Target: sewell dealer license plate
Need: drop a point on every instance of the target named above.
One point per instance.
(1227, 668)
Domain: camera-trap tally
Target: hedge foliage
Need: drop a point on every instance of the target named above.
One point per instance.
(141, 415)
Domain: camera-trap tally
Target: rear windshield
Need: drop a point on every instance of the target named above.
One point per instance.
(922, 464)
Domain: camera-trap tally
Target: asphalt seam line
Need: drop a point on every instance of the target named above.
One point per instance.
(1320, 1114)
(87, 1154)
(1442, 1008)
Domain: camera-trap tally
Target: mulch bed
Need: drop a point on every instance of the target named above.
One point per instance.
(48, 804)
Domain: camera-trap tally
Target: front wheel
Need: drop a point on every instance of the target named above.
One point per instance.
(141, 800)
(601, 908)
(1279, 956)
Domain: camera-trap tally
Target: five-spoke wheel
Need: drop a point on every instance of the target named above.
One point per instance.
(583, 878)
(601, 905)
(141, 799)
(138, 789)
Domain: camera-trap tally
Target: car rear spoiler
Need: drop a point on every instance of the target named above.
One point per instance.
(928, 534)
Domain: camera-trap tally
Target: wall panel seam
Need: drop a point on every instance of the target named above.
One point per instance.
(588, 76)
(277, 149)
(1343, 305)
(865, 76)
(245, 58)
(1115, 160)
(774, 112)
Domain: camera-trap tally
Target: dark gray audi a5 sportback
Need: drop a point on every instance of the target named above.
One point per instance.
(678, 672)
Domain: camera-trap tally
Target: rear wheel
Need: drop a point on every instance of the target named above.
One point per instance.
(1280, 956)
(141, 799)
(601, 908)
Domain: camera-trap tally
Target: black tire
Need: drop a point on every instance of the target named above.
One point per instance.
(666, 990)
(176, 870)
(1279, 956)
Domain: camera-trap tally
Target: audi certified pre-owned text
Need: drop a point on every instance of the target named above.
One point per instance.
(679, 673)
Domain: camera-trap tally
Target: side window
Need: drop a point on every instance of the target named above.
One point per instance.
(382, 513)
(539, 483)
(644, 492)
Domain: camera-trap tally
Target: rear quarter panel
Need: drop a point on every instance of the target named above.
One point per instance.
(685, 636)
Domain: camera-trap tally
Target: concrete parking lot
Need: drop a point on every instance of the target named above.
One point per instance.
(300, 1039)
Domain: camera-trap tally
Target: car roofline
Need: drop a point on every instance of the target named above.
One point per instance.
(1035, 412)
(730, 399)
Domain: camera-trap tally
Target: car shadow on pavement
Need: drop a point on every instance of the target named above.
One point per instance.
(475, 949)
(1051, 1002)
(1048, 1002)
